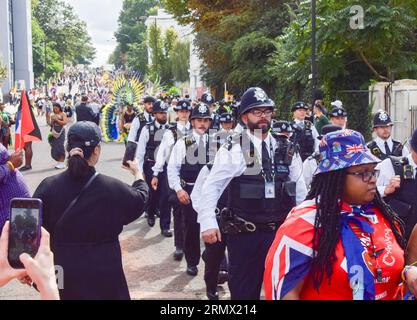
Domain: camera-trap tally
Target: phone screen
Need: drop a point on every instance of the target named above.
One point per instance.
(130, 152)
(24, 232)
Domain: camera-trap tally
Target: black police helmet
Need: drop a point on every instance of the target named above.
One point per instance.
(201, 111)
(159, 106)
(183, 105)
(255, 98)
(382, 119)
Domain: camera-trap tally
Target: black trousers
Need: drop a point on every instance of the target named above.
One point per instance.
(159, 198)
(215, 260)
(192, 236)
(247, 254)
(179, 227)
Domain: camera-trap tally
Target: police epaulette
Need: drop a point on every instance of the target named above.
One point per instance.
(231, 141)
(189, 140)
(141, 117)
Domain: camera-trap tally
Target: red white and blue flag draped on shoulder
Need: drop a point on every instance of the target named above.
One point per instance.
(27, 129)
(289, 258)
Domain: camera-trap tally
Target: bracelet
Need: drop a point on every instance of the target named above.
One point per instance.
(405, 270)
(11, 166)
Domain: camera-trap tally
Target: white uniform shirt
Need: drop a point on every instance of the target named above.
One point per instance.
(387, 172)
(197, 194)
(177, 159)
(230, 164)
(381, 145)
(165, 147)
(309, 167)
(314, 131)
(144, 139)
(135, 126)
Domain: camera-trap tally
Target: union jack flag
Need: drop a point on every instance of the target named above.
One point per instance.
(355, 148)
(288, 259)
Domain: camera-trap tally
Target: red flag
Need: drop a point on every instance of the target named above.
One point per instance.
(26, 127)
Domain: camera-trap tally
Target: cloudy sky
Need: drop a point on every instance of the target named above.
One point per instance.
(101, 18)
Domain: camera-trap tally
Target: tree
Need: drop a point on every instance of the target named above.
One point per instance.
(348, 59)
(234, 39)
(3, 70)
(66, 37)
(180, 61)
(131, 35)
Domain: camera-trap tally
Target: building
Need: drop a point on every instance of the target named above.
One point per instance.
(16, 43)
(164, 20)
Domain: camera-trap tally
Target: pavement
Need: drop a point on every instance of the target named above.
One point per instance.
(149, 266)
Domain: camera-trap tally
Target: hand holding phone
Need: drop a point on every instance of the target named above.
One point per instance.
(25, 229)
(130, 153)
(7, 273)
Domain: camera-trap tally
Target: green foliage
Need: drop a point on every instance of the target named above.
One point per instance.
(3, 70)
(131, 35)
(180, 61)
(67, 41)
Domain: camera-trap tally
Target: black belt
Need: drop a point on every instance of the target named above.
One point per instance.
(233, 224)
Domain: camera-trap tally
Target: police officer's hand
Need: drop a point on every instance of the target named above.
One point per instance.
(212, 236)
(394, 184)
(16, 158)
(183, 197)
(154, 183)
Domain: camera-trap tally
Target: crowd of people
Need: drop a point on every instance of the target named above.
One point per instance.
(294, 207)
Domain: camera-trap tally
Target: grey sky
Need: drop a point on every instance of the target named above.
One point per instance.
(101, 18)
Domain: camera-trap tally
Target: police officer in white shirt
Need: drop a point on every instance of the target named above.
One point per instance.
(175, 132)
(189, 155)
(261, 192)
(398, 185)
(149, 141)
(141, 119)
(305, 135)
(383, 145)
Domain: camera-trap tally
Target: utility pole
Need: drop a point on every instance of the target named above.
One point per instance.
(313, 50)
(44, 69)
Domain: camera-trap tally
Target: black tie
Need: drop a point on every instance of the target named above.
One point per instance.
(266, 161)
(387, 150)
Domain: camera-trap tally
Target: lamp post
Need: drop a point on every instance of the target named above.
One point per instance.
(44, 68)
(313, 50)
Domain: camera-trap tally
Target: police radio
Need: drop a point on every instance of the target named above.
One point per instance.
(407, 170)
(284, 154)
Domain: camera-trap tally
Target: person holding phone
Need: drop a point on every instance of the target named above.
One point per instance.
(86, 220)
(39, 270)
(12, 184)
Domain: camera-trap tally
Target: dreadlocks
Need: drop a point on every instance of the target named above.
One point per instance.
(328, 189)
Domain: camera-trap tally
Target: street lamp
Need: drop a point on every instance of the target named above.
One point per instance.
(313, 49)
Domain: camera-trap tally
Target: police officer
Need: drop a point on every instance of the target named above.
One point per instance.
(312, 162)
(149, 140)
(262, 187)
(208, 99)
(141, 119)
(175, 132)
(189, 156)
(338, 117)
(383, 145)
(305, 135)
(397, 183)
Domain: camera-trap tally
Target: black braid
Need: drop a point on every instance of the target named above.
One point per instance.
(327, 189)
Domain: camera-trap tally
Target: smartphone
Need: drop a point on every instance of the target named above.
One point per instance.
(25, 229)
(130, 152)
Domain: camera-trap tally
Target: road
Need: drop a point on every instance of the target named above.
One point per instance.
(150, 269)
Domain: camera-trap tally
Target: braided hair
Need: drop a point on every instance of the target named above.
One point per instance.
(328, 189)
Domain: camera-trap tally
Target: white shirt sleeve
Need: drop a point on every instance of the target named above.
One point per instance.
(174, 165)
(164, 150)
(196, 195)
(141, 149)
(406, 151)
(386, 173)
(227, 165)
(296, 174)
(133, 130)
(308, 171)
(315, 136)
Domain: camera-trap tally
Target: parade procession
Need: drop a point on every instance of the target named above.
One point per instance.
(207, 156)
